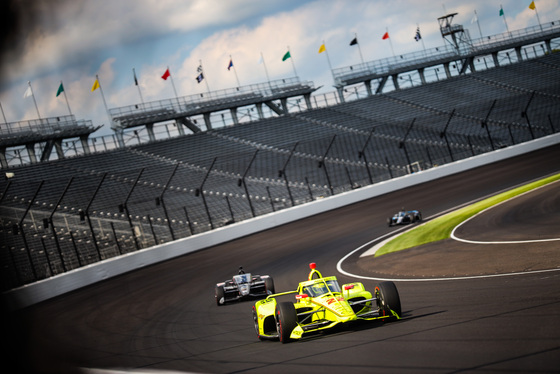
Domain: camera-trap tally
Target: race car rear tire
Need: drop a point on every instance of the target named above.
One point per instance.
(388, 298)
(220, 294)
(269, 284)
(389, 222)
(256, 322)
(286, 320)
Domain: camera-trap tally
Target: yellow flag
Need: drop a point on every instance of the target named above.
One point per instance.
(95, 85)
(322, 48)
(532, 5)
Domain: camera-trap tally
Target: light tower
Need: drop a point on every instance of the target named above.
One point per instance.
(455, 35)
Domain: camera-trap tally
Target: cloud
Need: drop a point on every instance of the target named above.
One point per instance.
(74, 40)
(59, 34)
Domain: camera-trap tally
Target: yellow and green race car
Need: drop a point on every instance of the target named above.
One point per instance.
(321, 304)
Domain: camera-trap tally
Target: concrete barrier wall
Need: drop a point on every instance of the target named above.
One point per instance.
(78, 278)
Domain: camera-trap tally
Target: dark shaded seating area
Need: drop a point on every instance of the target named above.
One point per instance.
(60, 215)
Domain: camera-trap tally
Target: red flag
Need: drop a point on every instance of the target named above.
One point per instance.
(166, 75)
(385, 36)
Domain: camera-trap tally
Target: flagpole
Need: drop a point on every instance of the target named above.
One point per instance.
(293, 65)
(3, 115)
(423, 45)
(537, 13)
(265, 69)
(328, 58)
(359, 48)
(204, 75)
(504, 15)
(66, 98)
(103, 97)
(173, 84)
(35, 101)
(390, 42)
(235, 71)
(478, 23)
(421, 38)
(137, 85)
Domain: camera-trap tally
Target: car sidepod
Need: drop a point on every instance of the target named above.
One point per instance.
(261, 286)
(359, 299)
(264, 319)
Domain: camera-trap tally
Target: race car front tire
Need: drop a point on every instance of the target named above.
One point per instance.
(220, 295)
(388, 298)
(256, 322)
(269, 285)
(286, 320)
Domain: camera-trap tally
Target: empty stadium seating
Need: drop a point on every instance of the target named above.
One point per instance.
(60, 215)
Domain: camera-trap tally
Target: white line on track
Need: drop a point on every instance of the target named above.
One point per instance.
(389, 235)
(340, 270)
(453, 236)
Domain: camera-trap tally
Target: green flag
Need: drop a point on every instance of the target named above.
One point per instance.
(501, 11)
(60, 89)
(286, 56)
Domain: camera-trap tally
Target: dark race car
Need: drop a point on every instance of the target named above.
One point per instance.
(404, 217)
(244, 286)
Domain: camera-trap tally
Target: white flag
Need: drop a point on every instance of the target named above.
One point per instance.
(27, 92)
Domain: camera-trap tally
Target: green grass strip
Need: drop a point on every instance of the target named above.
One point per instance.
(441, 227)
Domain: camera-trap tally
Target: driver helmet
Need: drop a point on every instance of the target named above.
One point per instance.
(319, 288)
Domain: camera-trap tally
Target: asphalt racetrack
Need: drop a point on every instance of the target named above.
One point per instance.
(165, 317)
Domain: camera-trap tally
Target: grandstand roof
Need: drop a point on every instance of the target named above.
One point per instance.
(395, 65)
(44, 129)
(186, 106)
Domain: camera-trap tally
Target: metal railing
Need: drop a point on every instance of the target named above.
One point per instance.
(431, 55)
(193, 102)
(45, 126)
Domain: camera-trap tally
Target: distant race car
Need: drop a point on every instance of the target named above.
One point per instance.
(404, 216)
(321, 304)
(243, 286)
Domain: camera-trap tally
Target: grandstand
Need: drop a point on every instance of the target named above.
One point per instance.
(456, 57)
(181, 109)
(67, 213)
(47, 133)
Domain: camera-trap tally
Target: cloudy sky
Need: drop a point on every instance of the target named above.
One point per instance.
(49, 41)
